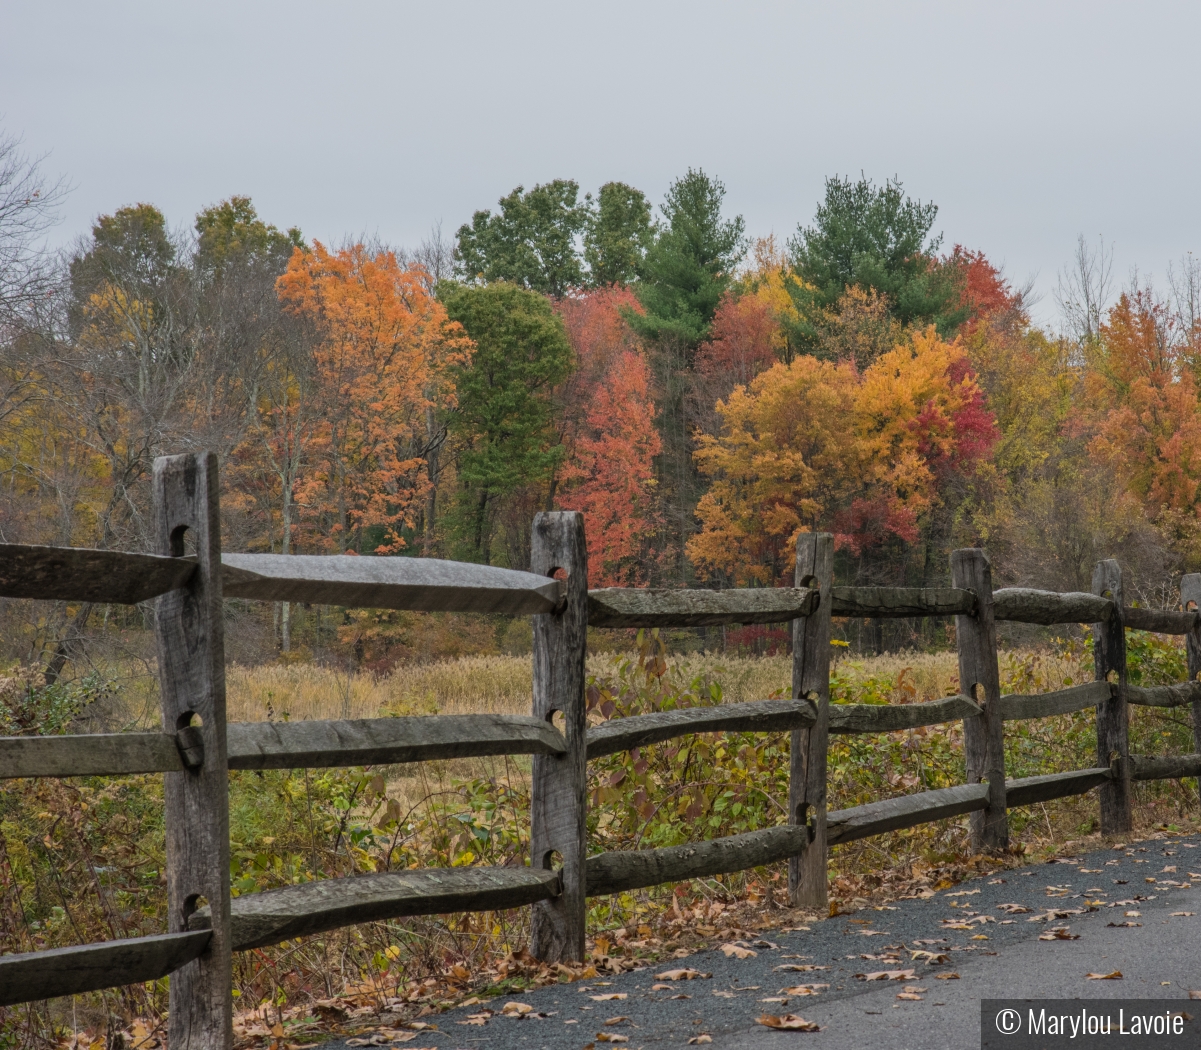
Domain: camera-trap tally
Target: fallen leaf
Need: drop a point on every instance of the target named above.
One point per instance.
(736, 951)
(946, 977)
(1059, 933)
(615, 1020)
(1113, 975)
(1119, 925)
(662, 987)
(608, 997)
(611, 1037)
(961, 893)
(697, 1040)
(1194, 994)
(724, 995)
(682, 975)
(888, 975)
(979, 937)
(789, 1022)
(421, 1026)
(680, 997)
(930, 957)
(1183, 914)
(516, 1009)
(910, 997)
(804, 989)
(800, 967)
(1134, 914)
(1013, 909)
(475, 1019)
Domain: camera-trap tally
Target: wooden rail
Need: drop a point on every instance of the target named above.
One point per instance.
(90, 967)
(258, 919)
(757, 716)
(622, 607)
(196, 747)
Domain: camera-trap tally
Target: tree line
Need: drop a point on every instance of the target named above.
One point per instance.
(701, 395)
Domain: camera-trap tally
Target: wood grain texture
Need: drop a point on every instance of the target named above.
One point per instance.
(1161, 621)
(558, 804)
(1027, 605)
(756, 716)
(1016, 706)
(328, 904)
(191, 662)
(1190, 598)
(622, 870)
(425, 584)
(1026, 791)
(676, 607)
(376, 741)
(1167, 767)
(1183, 694)
(77, 574)
(88, 755)
(891, 814)
(34, 976)
(891, 602)
(983, 737)
(807, 749)
(889, 718)
(1113, 714)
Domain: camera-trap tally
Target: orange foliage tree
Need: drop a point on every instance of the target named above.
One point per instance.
(608, 423)
(814, 444)
(383, 358)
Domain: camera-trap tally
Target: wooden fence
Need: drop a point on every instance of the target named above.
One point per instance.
(196, 747)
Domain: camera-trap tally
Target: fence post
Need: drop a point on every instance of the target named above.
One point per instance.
(1190, 593)
(558, 803)
(191, 666)
(1113, 715)
(811, 678)
(983, 737)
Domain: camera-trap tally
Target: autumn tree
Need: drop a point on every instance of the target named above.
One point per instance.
(502, 427)
(607, 412)
(387, 352)
(531, 242)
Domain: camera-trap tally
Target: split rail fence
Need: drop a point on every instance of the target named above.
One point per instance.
(196, 747)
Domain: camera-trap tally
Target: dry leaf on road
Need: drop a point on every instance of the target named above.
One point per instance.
(608, 997)
(1194, 994)
(736, 951)
(1183, 913)
(682, 975)
(616, 1020)
(789, 1022)
(888, 975)
(611, 1037)
(800, 967)
(1113, 975)
(516, 1009)
(697, 1040)
(910, 997)
(930, 957)
(946, 977)
(1013, 909)
(1059, 933)
(804, 989)
(1120, 925)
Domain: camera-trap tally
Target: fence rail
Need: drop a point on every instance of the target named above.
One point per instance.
(196, 747)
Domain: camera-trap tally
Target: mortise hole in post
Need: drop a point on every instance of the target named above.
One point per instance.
(810, 581)
(192, 904)
(188, 718)
(557, 719)
(1111, 677)
(552, 860)
(177, 541)
(978, 693)
(802, 813)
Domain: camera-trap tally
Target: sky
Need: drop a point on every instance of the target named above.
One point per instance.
(1029, 124)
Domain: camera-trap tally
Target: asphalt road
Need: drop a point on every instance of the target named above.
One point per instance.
(1161, 958)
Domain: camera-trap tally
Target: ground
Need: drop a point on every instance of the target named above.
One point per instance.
(1129, 907)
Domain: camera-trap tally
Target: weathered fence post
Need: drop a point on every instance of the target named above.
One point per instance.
(979, 678)
(558, 803)
(811, 678)
(1113, 715)
(191, 667)
(1190, 594)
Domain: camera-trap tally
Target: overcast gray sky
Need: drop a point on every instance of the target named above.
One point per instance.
(1027, 123)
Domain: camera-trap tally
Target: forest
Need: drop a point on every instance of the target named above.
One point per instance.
(701, 394)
